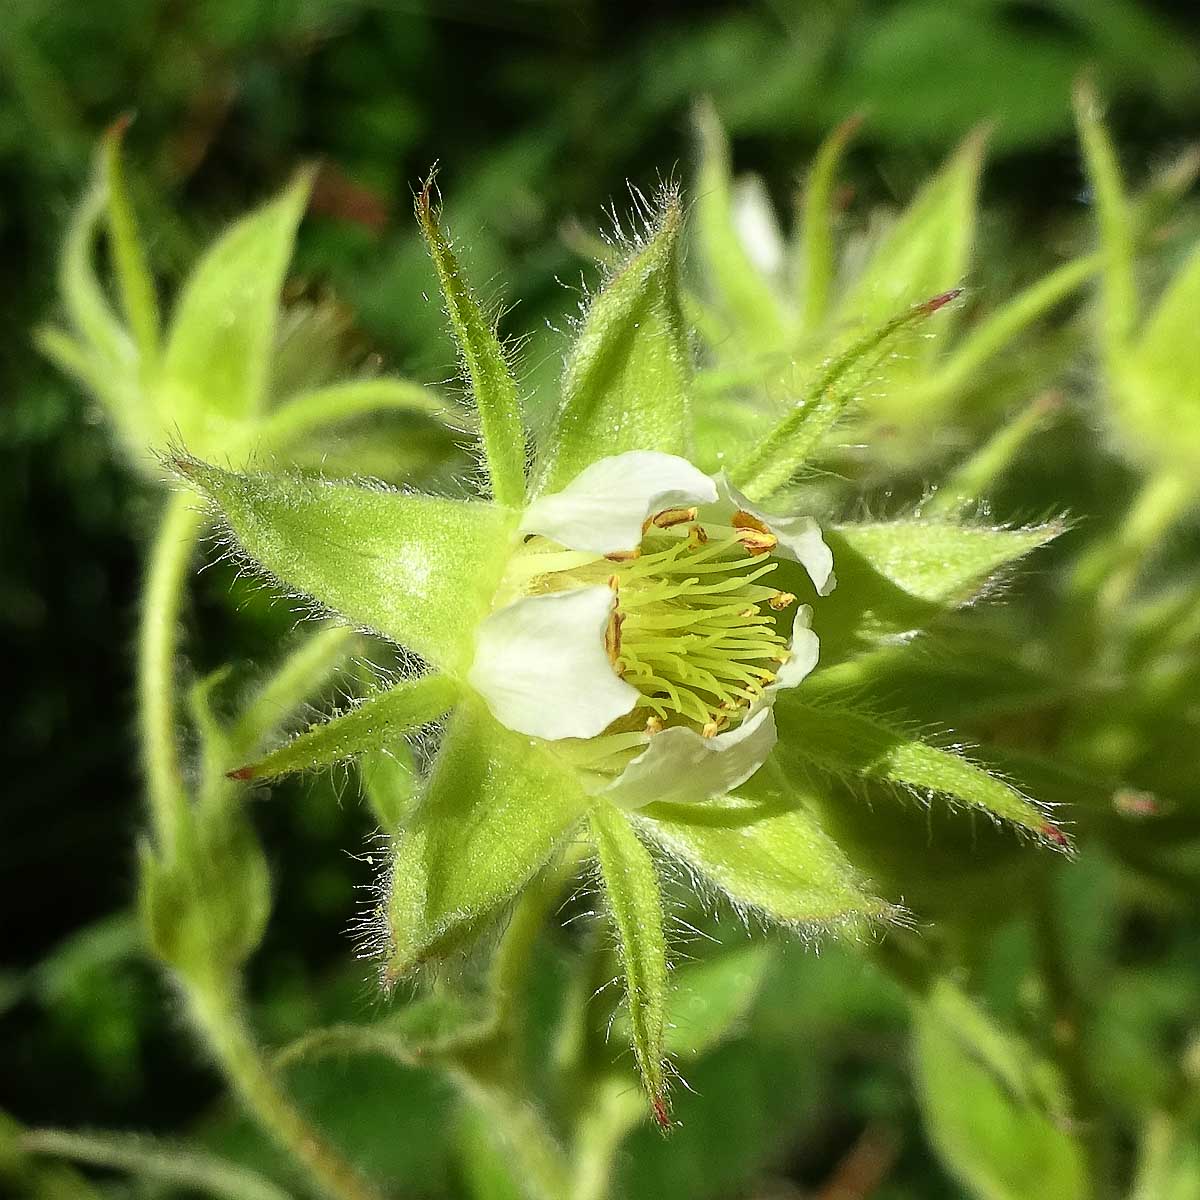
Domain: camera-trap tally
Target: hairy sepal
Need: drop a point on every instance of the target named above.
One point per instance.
(627, 379)
(766, 852)
(843, 741)
(897, 576)
(634, 903)
(216, 360)
(368, 726)
(491, 380)
(495, 810)
(419, 570)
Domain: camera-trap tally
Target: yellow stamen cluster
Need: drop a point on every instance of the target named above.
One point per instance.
(693, 626)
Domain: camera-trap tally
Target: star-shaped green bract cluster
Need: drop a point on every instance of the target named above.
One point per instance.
(788, 847)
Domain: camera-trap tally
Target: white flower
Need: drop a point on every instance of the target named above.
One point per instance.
(632, 627)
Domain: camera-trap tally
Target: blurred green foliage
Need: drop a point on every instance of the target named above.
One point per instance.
(807, 1068)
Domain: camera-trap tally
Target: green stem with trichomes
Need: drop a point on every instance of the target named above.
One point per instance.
(212, 996)
(162, 599)
(216, 1012)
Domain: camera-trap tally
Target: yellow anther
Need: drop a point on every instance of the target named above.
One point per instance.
(744, 520)
(654, 725)
(612, 639)
(714, 727)
(748, 612)
(673, 516)
(782, 600)
(698, 535)
(620, 556)
(756, 541)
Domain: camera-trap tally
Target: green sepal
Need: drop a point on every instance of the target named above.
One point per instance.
(742, 291)
(627, 378)
(204, 910)
(135, 283)
(369, 725)
(634, 903)
(818, 265)
(927, 250)
(417, 569)
(895, 576)
(827, 397)
(87, 306)
(767, 853)
(496, 808)
(842, 741)
(487, 369)
(996, 1113)
(317, 411)
(217, 358)
(1157, 394)
(1116, 227)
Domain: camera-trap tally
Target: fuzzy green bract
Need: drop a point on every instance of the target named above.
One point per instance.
(497, 807)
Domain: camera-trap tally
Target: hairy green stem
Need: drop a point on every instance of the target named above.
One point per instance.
(173, 1164)
(1068, 1016)
(216, 1011)
(162, 599)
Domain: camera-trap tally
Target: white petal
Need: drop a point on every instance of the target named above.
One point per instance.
(602, 509)
(805, 650)
(799, 537)
(541, 666)
(680, 766)
(756, 226)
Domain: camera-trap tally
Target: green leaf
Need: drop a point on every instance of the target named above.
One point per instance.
(627, 376)
(635, 905)
(994, 1112)
(846, 742)
(487, 368)
(768, 854)
(134, 281)
(1116, 227)
(1158, 397)
(927, 250)
(420, 570)
(816, 225)
(496, 809)
(937, 562)
(825, 399)
(217, 359)
(744, 294)
(369, 725)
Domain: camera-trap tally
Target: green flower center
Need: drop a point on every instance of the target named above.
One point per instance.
(693, 627)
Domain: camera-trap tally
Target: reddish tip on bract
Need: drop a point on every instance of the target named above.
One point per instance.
(240, 773)
(662, 1114)
(1052, 833)
(931, 306)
